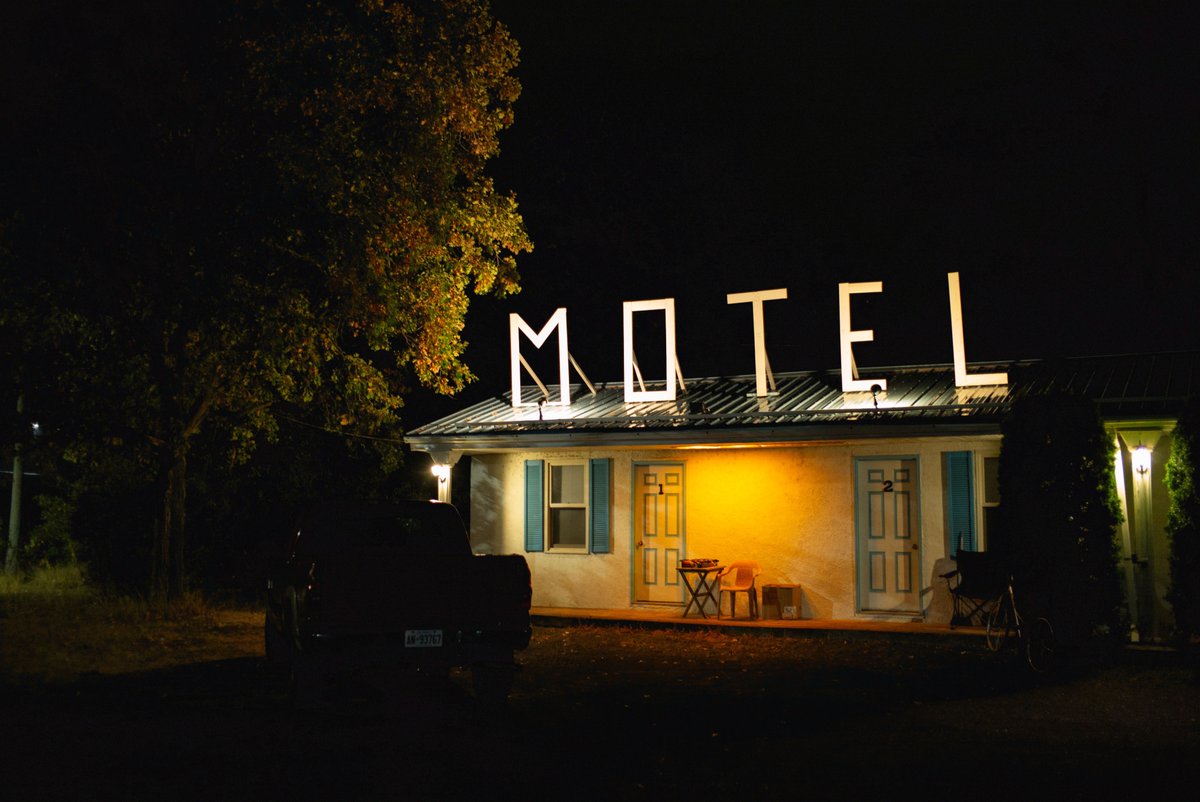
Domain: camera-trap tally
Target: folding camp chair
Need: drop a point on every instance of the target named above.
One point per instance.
(974, 585)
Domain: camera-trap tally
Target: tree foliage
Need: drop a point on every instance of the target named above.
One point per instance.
(235, 211)
(1183, 522)
(379, 119)
(1059, 510)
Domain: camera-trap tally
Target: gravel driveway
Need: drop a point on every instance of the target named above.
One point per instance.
(618, 713)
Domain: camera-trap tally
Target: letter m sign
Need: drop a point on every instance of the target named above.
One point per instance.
(516, 327)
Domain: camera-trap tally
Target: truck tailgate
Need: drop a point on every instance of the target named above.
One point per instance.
(371, 593)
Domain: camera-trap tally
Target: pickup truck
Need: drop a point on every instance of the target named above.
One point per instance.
(365, 587)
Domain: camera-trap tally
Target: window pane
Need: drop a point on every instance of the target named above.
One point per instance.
(566, 484)
(991, 480)
(568, 527)
(989, 524)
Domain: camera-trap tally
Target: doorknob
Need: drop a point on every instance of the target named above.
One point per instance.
(914, 547)
(640, 544)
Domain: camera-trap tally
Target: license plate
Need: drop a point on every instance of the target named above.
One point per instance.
(422, 638)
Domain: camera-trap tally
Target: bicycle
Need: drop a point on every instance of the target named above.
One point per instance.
(1036, 639)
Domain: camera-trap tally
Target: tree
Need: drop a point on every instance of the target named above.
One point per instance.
(250, 208)
(1059, 510)
(1183, 522)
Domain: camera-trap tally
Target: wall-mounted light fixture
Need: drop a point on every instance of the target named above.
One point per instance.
(442, 472)
(875, 391)
(1141, 460)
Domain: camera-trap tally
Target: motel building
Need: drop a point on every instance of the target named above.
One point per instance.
(851, 489)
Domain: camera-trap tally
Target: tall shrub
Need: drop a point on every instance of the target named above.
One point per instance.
(1183, 522)
(1059, 511)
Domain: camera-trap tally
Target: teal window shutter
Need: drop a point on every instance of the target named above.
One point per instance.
(960, 501)
(535, 506)
(598, 506)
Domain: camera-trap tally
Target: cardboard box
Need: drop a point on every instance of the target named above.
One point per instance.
(789, 602)
(781, 601)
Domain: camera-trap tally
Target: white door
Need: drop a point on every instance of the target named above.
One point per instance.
(887, 541)
(657, 533)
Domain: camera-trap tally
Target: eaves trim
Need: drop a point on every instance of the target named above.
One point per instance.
(781, 435)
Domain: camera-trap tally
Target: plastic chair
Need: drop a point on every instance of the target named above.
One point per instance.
(738, 577)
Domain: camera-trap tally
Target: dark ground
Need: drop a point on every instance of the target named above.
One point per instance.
(614, 713)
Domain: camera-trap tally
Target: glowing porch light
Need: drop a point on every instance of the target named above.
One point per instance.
(442, 472)
(1141, 460)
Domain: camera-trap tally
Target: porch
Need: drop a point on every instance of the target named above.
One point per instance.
(668, 617)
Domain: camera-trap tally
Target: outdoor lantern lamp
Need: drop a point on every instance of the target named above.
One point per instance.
(443, 462)
(1141, 460)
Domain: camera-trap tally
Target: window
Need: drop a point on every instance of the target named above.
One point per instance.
(972, 496)
(991, 494)
(567, 516)
(567, 505)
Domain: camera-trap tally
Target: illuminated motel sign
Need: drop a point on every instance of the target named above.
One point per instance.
(635, 389)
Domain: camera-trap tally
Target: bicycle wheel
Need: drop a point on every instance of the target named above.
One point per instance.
(1040, 645)
(1000, 622)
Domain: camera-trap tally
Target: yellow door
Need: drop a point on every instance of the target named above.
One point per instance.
(658, 533)
(888, 541)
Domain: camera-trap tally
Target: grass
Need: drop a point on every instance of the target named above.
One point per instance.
(56, 627)
(45, 583)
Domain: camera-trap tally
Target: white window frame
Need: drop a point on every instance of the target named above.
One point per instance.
(583, 506)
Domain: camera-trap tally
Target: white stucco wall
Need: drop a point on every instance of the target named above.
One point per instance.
(790, 508)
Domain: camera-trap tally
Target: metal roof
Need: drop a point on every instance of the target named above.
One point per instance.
(811, 406)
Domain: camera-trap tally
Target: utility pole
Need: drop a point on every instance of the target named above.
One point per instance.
(14, 515)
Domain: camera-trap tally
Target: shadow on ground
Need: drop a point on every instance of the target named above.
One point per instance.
(630, 717)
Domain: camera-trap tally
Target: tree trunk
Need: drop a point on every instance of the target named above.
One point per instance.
(168, 575)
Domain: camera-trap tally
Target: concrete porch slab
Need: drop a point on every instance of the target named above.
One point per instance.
(669, 618)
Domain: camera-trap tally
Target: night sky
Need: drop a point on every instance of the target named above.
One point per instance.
(693, 149)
